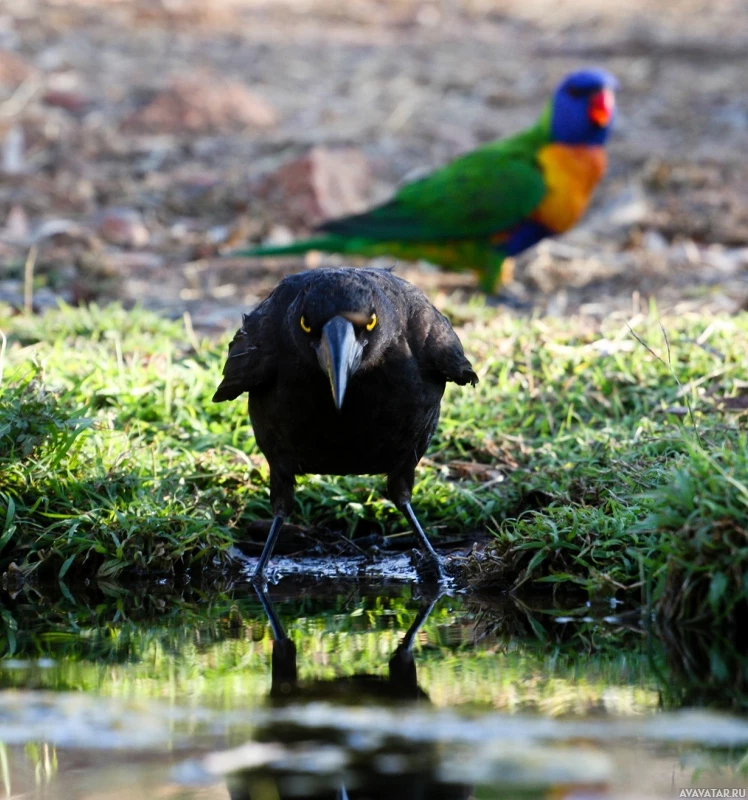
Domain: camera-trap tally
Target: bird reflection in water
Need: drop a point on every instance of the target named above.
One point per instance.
(394, 769)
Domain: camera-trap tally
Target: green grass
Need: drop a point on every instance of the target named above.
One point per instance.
(604, 461)
(627, 470)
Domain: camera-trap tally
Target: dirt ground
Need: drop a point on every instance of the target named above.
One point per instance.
(141, 139)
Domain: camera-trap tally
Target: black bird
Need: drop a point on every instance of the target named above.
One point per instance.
(345, 370)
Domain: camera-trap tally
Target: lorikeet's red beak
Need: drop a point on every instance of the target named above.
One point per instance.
(602, 105)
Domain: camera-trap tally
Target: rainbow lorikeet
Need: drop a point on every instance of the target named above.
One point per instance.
(493, 202)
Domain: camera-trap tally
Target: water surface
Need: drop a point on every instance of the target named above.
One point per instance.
(318, 690)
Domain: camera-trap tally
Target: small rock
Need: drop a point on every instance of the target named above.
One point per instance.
(98, 276)
(67, 90)
(654, 242)
(322, 184)
(239, 233)
(740, 255)
(123, 227)
(69, 100)
(200, 103)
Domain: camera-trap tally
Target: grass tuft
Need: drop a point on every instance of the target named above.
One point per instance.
(700, 519)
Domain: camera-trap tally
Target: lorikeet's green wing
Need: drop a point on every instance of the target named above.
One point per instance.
(484, 192)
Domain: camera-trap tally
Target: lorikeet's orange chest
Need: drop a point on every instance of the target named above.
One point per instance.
(571, 173)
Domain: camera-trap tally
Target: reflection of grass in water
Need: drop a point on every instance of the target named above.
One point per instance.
(216, 650)
(703, 668)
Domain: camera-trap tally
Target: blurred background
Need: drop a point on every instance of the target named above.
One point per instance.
(141, 139)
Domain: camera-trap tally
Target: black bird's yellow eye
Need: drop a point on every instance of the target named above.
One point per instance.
(372, 323)
(304, 327)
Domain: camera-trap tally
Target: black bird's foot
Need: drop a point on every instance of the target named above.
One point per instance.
(428, 567)
(427, 563)
(508, 300)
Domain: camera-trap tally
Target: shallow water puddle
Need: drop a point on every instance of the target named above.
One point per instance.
(324, 691)
(385, 567)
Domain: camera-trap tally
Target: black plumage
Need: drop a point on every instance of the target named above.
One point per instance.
(345, 370)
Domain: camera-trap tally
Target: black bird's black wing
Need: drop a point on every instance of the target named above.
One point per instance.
(442, 350)
(250, 362)
(430, 334)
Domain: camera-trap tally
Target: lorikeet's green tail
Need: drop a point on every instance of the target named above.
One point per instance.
(480, 256)
(328, 244)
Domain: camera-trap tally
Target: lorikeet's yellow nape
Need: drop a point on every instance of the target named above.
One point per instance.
(493, 202)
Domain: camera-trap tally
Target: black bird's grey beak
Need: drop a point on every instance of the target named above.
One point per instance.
(339, 354)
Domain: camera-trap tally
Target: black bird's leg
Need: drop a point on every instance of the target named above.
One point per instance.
(281, 498)
(399, 490)
(267, 551)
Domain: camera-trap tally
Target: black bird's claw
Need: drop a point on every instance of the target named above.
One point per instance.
(507, 300)
(429, 569)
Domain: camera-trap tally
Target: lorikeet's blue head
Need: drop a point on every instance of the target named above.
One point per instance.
(583, 107)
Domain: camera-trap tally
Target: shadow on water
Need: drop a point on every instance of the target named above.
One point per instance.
(320, 690)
